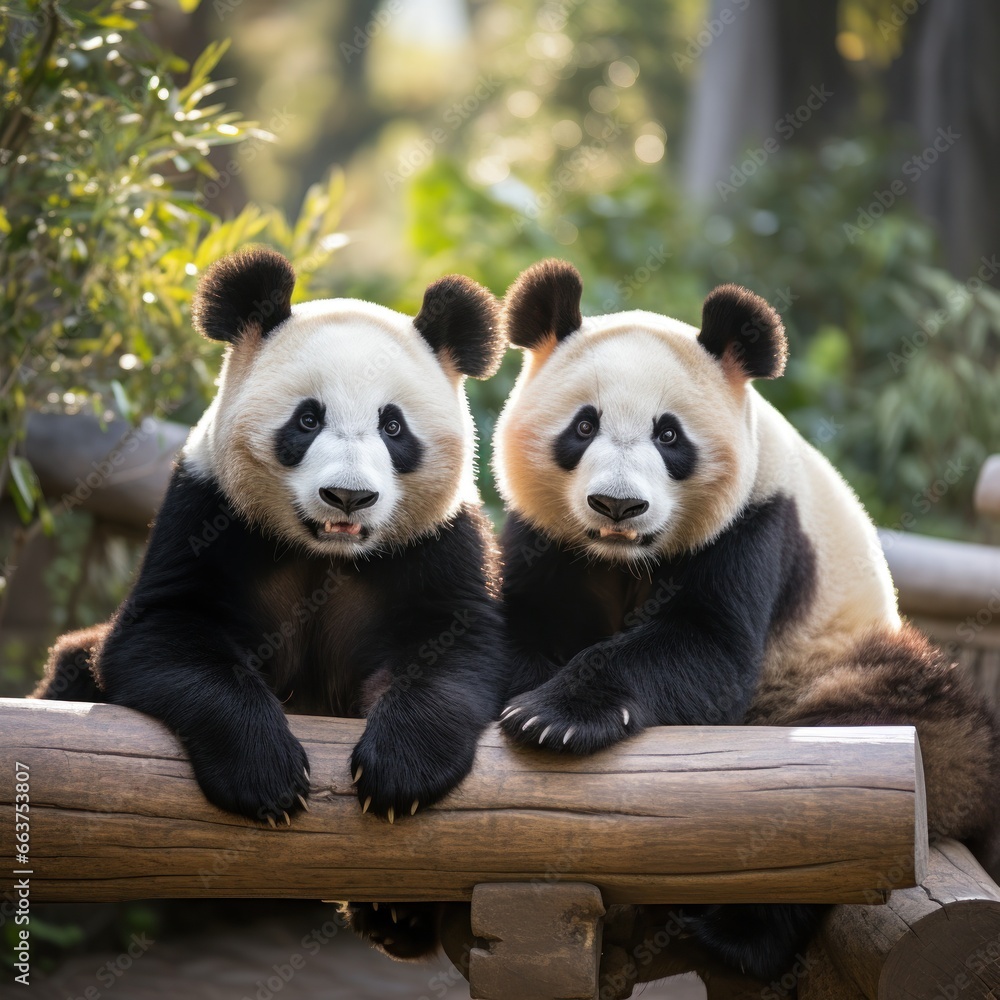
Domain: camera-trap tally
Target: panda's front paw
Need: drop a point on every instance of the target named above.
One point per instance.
(263, 775)
(557, 719)
(402, 764)
(403, 931)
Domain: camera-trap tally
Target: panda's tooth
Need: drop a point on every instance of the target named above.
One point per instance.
(625, 716)
(530, 721)
(569, 733)
(545, 732)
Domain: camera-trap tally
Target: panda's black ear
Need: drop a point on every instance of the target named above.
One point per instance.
(543, 303)
(745, 333)
(461, 321)
(249, 291)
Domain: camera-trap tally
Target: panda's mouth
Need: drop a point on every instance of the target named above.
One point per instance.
(619, 536)
(348, 531)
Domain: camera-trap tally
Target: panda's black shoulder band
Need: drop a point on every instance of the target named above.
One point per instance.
(543, 302)
(249, 291)
(461, 319)
(740, 328)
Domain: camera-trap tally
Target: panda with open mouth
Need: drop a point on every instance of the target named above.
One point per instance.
(337, 463)
(676, 554)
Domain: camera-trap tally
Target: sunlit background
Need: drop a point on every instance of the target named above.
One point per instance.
(837, 156)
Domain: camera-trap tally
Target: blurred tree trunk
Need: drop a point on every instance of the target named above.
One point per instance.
(956, 87)
(762, 65)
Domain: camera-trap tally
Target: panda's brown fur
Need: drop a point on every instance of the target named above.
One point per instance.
(832, 647)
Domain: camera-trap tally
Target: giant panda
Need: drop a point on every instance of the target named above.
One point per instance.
(675, 553)
(320, 539)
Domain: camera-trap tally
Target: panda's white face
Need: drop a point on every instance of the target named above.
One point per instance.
(626, 440)
(342, 431)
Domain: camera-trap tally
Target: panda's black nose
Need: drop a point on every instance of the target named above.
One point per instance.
(348, 500)
(617, 508)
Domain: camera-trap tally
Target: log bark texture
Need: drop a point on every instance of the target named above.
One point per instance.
(708, 814)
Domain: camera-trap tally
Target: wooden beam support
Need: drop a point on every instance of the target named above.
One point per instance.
(543, 941)
(707, 814)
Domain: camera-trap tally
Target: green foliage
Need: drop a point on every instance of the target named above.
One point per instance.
(106, 220)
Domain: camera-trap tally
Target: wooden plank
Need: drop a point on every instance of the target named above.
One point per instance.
(695, 814)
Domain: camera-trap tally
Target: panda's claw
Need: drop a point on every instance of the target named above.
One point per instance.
(368, 802)
(391, 815)
(414, 807)
(305, 805)
(625, 716)
(529, 723)
(358, 773)
(270, 819)
(375, 907)
(510, 711)
(288, 819)
(392, 910)
(545, 732)
(569, 733)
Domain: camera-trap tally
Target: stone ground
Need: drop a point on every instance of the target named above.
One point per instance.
(222, 963)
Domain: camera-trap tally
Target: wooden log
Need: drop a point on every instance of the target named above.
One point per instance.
(938, 940)
(700, 814)
(987, 495)
(941, 578)
(116, 471)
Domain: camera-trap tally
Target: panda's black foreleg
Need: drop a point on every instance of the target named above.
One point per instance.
(184, 670)
(659, 673)
(420, 741)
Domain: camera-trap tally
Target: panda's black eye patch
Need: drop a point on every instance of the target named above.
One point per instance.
(572, 442)
(298, 432)
(403, 445)
(677, 450)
